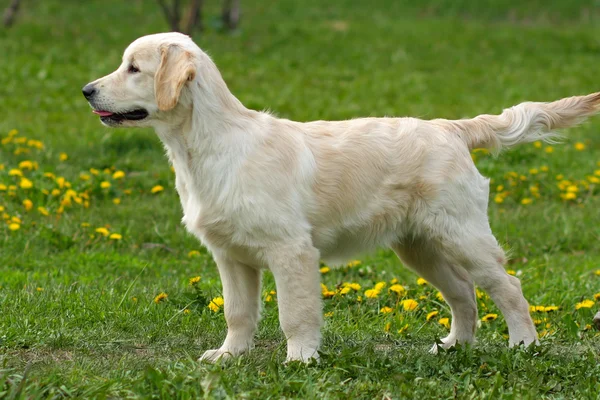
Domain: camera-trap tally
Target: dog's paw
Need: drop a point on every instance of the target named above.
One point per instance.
(303, 355)
(215, 355)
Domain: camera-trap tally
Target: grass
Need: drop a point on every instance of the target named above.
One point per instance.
(77, 311)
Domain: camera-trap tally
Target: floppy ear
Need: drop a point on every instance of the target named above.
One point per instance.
(175, 69)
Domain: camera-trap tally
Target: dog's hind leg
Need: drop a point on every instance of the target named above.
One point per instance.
(451, 280)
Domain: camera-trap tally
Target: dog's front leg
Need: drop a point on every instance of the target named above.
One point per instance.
(241, 293)
(297, 277)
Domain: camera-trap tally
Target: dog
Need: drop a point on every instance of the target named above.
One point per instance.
(263, 192)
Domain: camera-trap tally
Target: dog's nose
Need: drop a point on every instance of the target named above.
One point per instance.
(88, 90)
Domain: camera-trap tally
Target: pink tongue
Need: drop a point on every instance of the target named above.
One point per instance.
(102, 113)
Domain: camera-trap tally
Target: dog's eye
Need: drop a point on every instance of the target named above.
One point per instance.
(132, 69)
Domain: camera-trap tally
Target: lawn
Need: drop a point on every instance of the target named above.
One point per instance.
(91, 236)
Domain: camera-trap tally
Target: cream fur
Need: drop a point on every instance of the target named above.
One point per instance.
(263, 192)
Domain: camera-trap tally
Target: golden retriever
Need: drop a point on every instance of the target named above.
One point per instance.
(263, 192)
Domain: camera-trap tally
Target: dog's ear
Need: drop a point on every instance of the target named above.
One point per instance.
(175, 69)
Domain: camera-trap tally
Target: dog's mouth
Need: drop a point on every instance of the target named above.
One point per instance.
(134, 115)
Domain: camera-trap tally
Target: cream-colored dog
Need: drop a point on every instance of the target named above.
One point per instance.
(263, 192)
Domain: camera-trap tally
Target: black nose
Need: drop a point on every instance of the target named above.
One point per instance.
(88, 90)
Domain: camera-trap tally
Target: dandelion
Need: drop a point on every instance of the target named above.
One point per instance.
(105, 185)
(489, 317)
(549, 149)
(568, 196)
(43, 211)
(118, 175)
(94, 171)
(39, 289)
(534, 171)
(85, 224)
(584, 304)
(345, 290)
(25, 183)
(511, 272)
(439, 296)
(353, 286)
(115, 236)
(324, 270)
(157, 189)
(84, 177)
(421, 282)
(354, 263)
(63, 157)
(186, 311)
(379, 286)
(2, 187)
(15, 172)
(326, 292)
(160, 297)
(499, 199)
(597, 272)
(14, 226)
(526, 200)
(544, 168)
(194, 280)
(537, 144)
(329, 314)
(445, 322)
(572, 188)
(372, 293)
(103, 231)
(431, 315)
(386, 310)
(26, 164)
(409, 304)
(550, 308)
(116, 201)
(597, 297)
(398, 289)
(216, 304)
(579, 146)
(193, 253)
(28, 204)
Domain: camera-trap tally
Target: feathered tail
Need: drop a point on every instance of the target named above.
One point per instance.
(525, 122)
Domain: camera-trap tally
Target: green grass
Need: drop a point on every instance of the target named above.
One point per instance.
(83, 335)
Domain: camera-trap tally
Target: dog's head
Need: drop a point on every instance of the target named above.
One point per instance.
(150, 83)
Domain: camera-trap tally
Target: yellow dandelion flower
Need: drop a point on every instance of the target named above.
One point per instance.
(186, 311)
(394, 281)
(431, 315)
(115, 236)
(409, 304)
(354, 263)
(549, 149)
(116, 201)
(386, 310)
(489, 317)
(584, 304)
(421, 282)
(194, 280)
(216, 304)
(103, 231)
(593, 179)
(194, 253)
(26, 164)
(2, 187)
(537, 144)
(84, 177)
(511, 272)
(85, 224)
(579, 146)
(399, 289)
(597, 297)
(526, 200)
(379, 285)
(353, 286)
(534, 171)
(572, 188)
(160, 297)
(445, 322)
(118, 175)
(500, 188)
(16, 220)
(157, 189)
(43, 211)
(329, 314)
(28, 204)
(499, 199)
(94, 171)
(569, 196)
(550, 308)
(105, 185)
(439, 296)
(63, 157)
(404, 328)
(345, 290)
(371, 293)
(544, 168)
(15, 172)
(14, 226)
(597, 272)
(324, 270)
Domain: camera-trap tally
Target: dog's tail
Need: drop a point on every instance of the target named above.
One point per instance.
(523, 123)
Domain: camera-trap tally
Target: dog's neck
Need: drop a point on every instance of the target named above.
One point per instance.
(210, 139)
